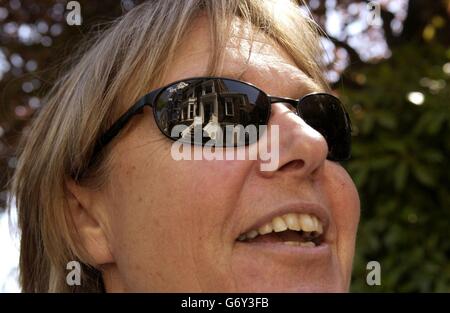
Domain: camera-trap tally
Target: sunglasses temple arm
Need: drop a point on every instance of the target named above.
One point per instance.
(137, 108)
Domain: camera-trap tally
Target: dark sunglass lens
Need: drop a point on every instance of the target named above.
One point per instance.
(212, 111)
(325, 113)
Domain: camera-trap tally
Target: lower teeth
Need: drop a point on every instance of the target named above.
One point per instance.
(308, 244)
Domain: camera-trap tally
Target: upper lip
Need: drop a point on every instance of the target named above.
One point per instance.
(295, 207)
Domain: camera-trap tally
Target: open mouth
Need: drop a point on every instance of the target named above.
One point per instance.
(294, 229)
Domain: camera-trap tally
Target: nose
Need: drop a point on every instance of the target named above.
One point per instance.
(302, 150)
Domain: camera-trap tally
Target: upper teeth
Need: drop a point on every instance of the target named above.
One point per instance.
(291, 221)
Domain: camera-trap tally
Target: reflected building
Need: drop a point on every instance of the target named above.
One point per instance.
(207, 104)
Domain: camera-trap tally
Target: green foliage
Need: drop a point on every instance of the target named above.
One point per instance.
(400, 152)
(400, 166)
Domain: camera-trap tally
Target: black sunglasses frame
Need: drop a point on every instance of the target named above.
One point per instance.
(150, 98)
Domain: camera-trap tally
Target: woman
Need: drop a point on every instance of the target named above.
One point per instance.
(97, 180)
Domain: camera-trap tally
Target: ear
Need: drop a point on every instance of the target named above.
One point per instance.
(91, 222)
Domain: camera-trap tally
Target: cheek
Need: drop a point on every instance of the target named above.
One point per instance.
(344, 200)
(202, 196)
(169, 213)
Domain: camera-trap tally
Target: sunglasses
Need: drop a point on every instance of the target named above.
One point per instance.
(213, 105)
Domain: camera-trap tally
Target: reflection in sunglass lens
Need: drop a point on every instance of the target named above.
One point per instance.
(212, 111)
(325, 113)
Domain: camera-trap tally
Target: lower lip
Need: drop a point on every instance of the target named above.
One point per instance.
(281, 249)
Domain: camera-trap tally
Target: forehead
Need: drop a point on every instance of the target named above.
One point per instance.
(248, 55)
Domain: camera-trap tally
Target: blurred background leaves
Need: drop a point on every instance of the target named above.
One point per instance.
(400, 165)
(394, 78)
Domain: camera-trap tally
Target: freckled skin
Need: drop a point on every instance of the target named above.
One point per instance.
(174, 224)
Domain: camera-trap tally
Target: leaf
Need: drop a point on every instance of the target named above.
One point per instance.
(367, 124)
(387, 120)
(397, 146)
(400, 176)
(423, 176)
(433, 156)
(435, 124)
(360, 177)
(381, 162)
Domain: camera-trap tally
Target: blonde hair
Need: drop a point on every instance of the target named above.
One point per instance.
(130, 56)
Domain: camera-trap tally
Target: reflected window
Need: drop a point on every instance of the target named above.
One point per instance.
(208, 88)
(229, 108)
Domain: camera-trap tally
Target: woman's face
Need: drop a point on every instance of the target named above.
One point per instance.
(174, 225)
